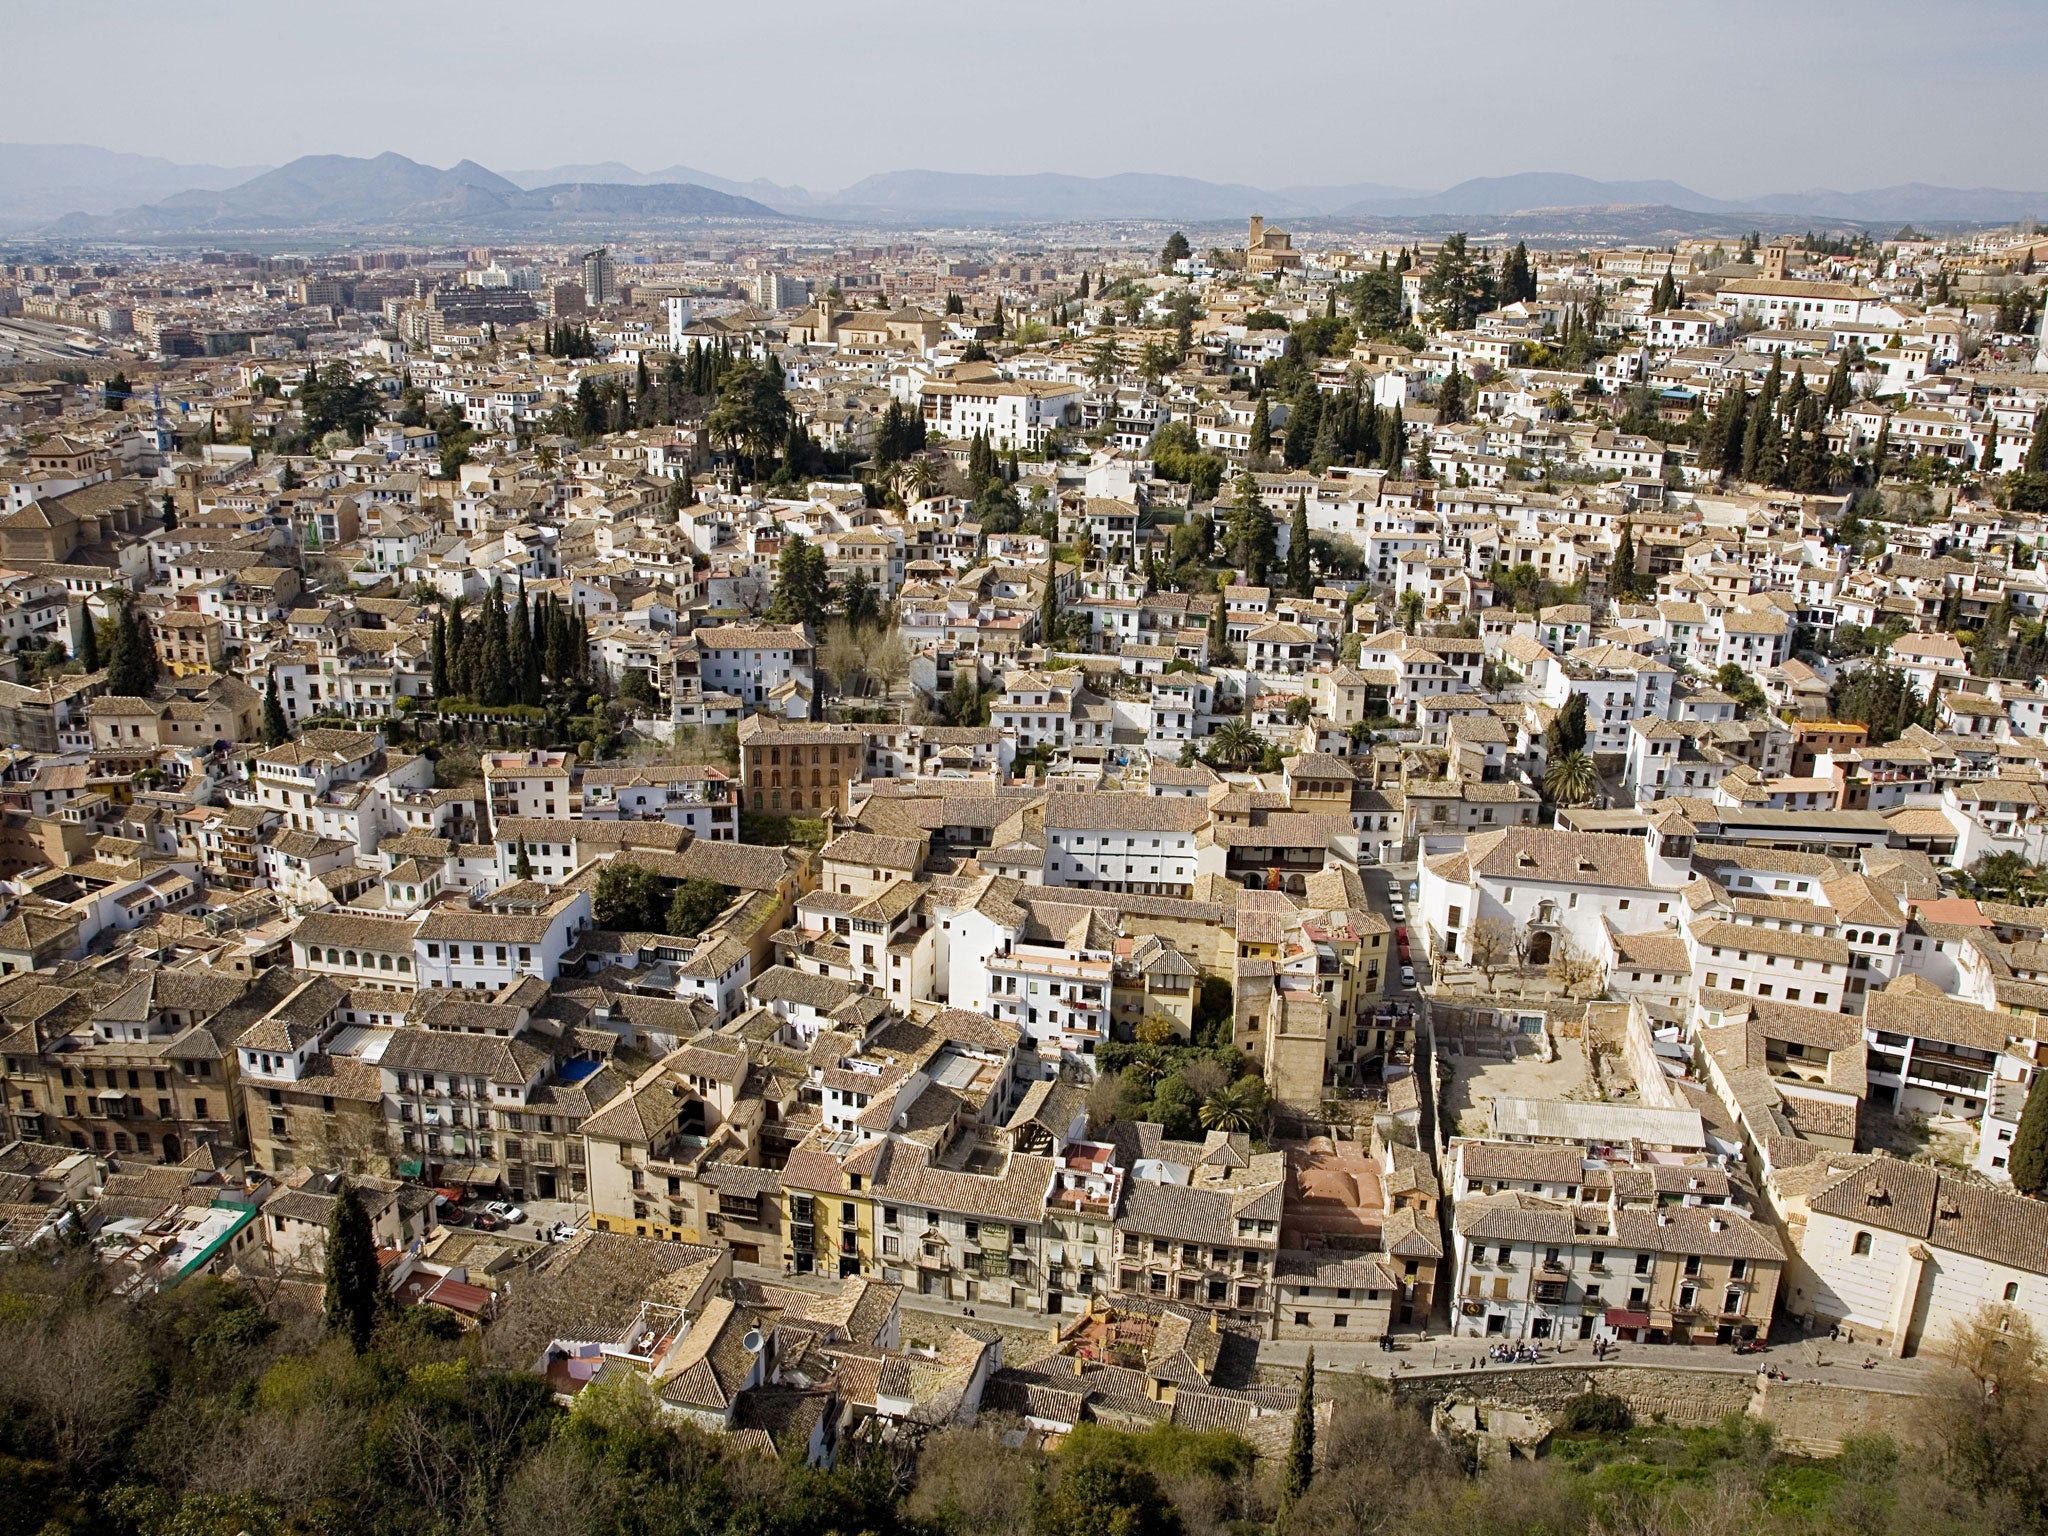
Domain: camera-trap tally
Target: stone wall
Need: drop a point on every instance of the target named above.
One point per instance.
(1677, 1396)
(1816, 1417)
(1812, 1418)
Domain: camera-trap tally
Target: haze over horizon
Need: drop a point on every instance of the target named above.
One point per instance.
(1076, 89)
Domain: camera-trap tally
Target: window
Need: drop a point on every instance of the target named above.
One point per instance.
(1861, 1247)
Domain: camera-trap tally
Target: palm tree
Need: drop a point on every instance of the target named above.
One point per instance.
(1411, 609)
(1571, 780)
(2002, 873)
(1236, 745)
(1238, 1106)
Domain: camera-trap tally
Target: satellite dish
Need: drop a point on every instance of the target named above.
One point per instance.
(753, 1341)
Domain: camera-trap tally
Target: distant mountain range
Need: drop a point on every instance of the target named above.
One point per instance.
(331, 192)
(79, 192)
(40, 182)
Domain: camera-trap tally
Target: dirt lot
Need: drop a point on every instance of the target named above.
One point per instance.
(1476, 1078)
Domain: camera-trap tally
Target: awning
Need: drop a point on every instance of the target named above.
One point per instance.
(468, 1173)
(1616, 1318)
(110, 1093)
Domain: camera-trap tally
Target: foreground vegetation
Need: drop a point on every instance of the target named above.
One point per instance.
(200, 1413)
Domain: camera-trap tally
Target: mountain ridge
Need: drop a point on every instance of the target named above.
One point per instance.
(317, 191)
(390, 190)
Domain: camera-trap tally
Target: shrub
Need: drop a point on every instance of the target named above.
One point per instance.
(1596, 1413)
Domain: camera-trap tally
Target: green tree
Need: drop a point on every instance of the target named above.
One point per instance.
(1261, 434)
(695, 905)
(1249, 535)
(276, 729)
(1457, 289)
(1840, 393)
(1175, 249)
(1566, 732)
(1517, 279)
(2036, 461)
(1235, 744)
(751, 415)
(1236, 1106)
(349, 1299)
(1450, 396)
(1623, 584)
(803, 584)
(1571, 779)
(1393, 440)
(1299, 1470)
(628, 899)
(1299, 575)
(170, 511)
(858, 600)
(1103, 1491)
(1742, 688)
(88, 632)
(131, 661)
(1721, 448)
(2028, 1160)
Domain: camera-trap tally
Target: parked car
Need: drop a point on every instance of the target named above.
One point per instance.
(1400, 912)
(505, 1211)
(1408, 977)
(484, 1221)
(560, 1232)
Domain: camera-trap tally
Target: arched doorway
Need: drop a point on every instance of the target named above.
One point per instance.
(1539, 948)
(170, 1148)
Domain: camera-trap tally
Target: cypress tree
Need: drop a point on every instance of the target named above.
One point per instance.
(1624, 582)
(1298, 574)
(276, 729)
(1809, 469)
(1761, 419)
(1323, 453)
(87, 629)
(517, 652)
(1262, 431)
(1299, 1470)
(349, 1301)
(528, 673)
(1393, 442)
(458, 676)
(1839, 391)
(1049, 602)
(494, 686)
(132, 668)
(440, 657)
(1303, 422)
(2037, 451)
(560, 638)
(2028, 1161)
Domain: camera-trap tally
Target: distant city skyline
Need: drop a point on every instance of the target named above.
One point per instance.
(1733, 99)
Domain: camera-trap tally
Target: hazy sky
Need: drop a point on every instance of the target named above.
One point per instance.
(1728, 96)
